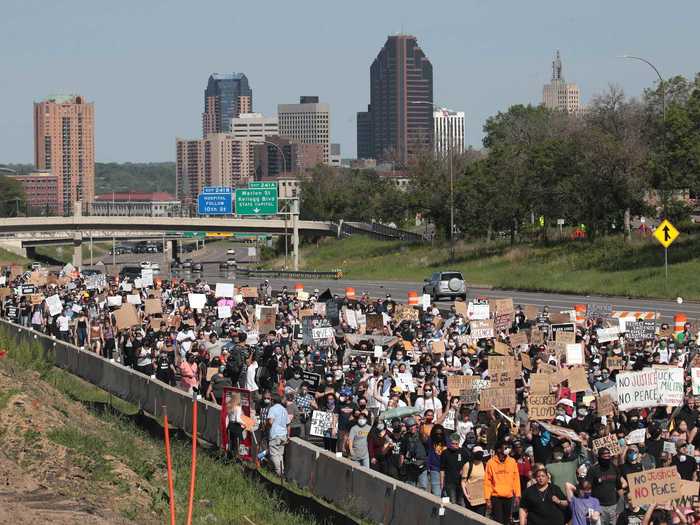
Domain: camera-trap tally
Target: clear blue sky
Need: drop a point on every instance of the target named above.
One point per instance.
(145, 63)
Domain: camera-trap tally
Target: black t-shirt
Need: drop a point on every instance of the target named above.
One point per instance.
(685, 468)
(541, 510)
(451, 463)
(605, 481)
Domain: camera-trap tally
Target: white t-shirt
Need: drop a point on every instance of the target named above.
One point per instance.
(433, 404)
(250, 383)
(185, 339)
(63, 323)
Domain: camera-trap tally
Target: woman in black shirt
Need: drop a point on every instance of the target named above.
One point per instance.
(542, 503)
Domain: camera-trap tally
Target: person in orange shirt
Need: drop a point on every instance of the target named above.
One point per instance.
(501, 484)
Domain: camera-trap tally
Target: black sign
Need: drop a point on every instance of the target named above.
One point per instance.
(332, 313)
(12, 312)
(28, 289)
(641, 330)
(565, 327)
(308, 324)
(312, 379)
(595, 311)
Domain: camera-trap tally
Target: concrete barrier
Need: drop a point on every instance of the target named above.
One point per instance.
(334, 479)
(355, 489)
(455, 515)
(414, 506)
(376, 492)
(300, 462)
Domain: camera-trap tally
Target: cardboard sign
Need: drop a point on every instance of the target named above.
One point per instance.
(526, 361)
(497, 397)
(578, 380)
(536, 336)
(375, 322)
(689, 491)
(564, 336)
(654, 486)
(610, 442)
(574, 354)
(560, 431)
(615, 363)
(531, 312)
(637, 389)
(438, 347)
(225, 290)
(519, 339)
(457, 384)
(502, 306)
(482, 329)
(595, 311)
(154, 323)
(539, 383)
(322, 422)
(542, 406)
(153, 306)
(126, 317)
(469, 397)
(250, 292)
(475, 492)
(461, 309)
(503, 322)
(605, 405)
(36, 298)
(268, 318)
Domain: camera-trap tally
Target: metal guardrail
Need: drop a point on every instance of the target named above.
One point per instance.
(291, 274)
(379, 231)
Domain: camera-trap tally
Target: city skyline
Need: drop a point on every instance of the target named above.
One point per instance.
(478, 69)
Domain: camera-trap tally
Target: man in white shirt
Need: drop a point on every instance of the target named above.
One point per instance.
(429, 401)
(63, 325)
(252, 370)
(185, 338)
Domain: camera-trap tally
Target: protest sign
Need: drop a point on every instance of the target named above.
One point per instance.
(526, 361)
(536, 336)
(133, 299)
(606, 335)
(654, 486)
(695, 374)
(461, 308)
(478, 312)
(425, 301)
(574, 354)
(114, 300)
(563, 335)
(267, 318)
(319, 308)
(482, 329)
(153, 306)
(497, 397)
(615, 363)
(542, 406)
(225, 290)
(578, 379)
(322, 422)
(374, 322)
(669, 447)
(147, 277)
(455, 384)
(407, 313)
(531, 312)
(475, 492)
(689, 494)
(249, 292)
(518, 339)
(502, 322)
(637, 389)
(641, 330)
(469, 397)
(636, 437)
(36, 298)
(610, 442)
(560, 431)
(197, 300)
(224, 311)
(313, 379)
(605, 405)
(126, 317)
(670, 384)
(405, 382)
(437, 347)
(502, 306)
(332, 313)
(53, 302)
(539, 383)
(594, 311)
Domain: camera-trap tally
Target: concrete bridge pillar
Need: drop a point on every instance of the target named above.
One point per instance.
(77, 249)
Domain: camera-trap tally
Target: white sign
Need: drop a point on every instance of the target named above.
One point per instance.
(76, 308)
(302, 295)
(636, 437)
(114, 300)
(478, 312)
(127, 287)
(605, 335)
(224, 312)
(670, 381)
(695, 374)
(197, 300)
(351, 319)
(54, 304)
(147, 277)
(322, 422)
(650, 387)
(251, 252)
(224, 290)
(378, 352)
(324, 332)
(405, 382)
(574, 354)
(133, 299)
(425, 301)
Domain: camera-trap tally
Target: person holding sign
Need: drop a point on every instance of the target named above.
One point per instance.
(606, 481)
(543, 503)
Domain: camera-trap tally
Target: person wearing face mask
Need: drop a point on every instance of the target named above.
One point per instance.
(452, 461)
(413, 456)
(605, 479)
(380, 447)
(685, 464)
(585, 509)
(632, 462)
(543, 503)
(583, 422)
(356, 441)
(330, 436)
(430, 401)
(501, 484)
(605, 382)
(473, 472)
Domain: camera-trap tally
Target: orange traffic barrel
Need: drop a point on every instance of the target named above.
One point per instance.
(412, 298)
(679, 321)
(298, 287)
(580, 310)
(350, 293)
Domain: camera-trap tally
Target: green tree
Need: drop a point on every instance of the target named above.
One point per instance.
(14, 201)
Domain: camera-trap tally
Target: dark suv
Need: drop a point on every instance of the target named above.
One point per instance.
(445, 284)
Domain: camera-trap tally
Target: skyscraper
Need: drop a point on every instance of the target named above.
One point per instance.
(401, 101)
(448, 129)
(308, 122)
(64, 144)
(226, 97)
(364, 134)
(560, 95)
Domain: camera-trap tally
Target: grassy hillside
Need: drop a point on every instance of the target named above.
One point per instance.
(606, 266)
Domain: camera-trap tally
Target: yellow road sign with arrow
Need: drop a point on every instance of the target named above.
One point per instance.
(666, 233)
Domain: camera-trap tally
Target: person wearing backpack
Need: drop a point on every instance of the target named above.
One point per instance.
(472, 473)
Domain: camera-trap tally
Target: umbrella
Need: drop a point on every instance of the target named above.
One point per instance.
(399, 412)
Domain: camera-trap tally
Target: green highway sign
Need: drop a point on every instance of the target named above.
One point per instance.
(267, 185)
(192, 235)
(256, 201)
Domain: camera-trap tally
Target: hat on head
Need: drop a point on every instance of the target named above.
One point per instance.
(410, 421)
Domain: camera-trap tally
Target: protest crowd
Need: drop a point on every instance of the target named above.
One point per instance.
(585, 416)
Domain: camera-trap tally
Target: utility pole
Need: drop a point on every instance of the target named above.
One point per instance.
(295, 232)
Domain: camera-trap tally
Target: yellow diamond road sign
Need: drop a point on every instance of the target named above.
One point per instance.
(666, 233)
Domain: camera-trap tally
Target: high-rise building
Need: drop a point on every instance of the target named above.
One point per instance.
(64, 144)
(448, 131)
(559, 94)
(269, 162)
(364, 134)
(308, 122)
(401, 101)
(254, 126)
(226, 97)
(218, 160)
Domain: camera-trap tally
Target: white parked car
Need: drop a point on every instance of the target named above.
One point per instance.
(148, 265)
(231, 251)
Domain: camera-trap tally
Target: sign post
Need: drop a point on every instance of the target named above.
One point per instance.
(666, 233)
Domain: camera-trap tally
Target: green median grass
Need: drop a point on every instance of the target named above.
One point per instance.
(606, 266)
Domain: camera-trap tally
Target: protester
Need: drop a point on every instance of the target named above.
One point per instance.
(542, 503)
(501, 484)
